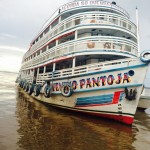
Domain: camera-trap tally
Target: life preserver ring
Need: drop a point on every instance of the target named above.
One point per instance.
(66, 90)
(27, 87)
(93, 21)
(107, 45)
(31, 89)
(37, 89)
(47, 91)
(145, 56)
(24, 85)
(21, 84)
(90, 44)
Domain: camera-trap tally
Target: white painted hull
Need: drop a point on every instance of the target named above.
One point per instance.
(106, 99)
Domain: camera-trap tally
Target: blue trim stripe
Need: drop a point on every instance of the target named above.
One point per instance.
(121, 97)
(104, 88)
(108, 88)
(102, 99)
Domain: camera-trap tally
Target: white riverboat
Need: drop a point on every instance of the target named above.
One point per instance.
(85, 59)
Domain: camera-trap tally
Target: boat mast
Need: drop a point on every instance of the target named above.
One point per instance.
(138, 37)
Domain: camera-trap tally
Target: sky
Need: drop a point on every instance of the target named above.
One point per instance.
(21, 20)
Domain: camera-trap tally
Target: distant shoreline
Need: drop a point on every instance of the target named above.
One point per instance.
(8, 72)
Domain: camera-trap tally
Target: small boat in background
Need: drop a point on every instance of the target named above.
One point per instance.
(144, 102)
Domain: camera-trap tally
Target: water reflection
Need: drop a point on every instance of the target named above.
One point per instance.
(27, 124)
(141, 129)
(43, 127)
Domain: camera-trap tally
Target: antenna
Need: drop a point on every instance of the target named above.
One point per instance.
(138, 37)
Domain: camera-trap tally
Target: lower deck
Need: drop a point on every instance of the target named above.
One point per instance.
(72, 66)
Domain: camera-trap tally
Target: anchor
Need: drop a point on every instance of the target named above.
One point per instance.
(130, 95)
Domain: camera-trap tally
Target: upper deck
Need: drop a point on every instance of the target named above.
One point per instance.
(80, 6)
(104, 23)
(80, 34)
(83, 5)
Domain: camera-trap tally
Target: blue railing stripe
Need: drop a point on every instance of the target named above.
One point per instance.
(102, 99)
(95, 100)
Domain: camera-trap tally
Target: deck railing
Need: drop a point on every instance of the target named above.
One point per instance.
(104, 19)
(65, 73)
(27, 77)
(117, 44)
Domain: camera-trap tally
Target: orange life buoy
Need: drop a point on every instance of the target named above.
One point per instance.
(93, 21)
(90, 44)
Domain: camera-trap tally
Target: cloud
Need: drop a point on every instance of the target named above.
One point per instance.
(10, 63)
(10, 48)
(11, 52)
(10, 58)
(5, 35)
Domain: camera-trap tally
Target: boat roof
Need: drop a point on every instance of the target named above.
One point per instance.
(79, 4)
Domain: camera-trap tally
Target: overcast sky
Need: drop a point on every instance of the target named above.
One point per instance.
(21, 20)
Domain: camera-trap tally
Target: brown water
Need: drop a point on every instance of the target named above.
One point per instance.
(26, 124)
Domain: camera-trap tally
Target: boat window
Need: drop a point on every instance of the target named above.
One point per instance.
(41, 69)
(49, 68)
(114, 20)
(93, 16)
(129, 26)
(68, 25)
(64, 64)
(101, 17)
(38, 53)
(36, 40)
(29, 71)
(41, 35)
(52, 44)
(94, 34)
(43, 49)
(127, 48)
(77, 21)
(34, 54)
(66, 38)
(81, 60)
(46, 30)
(54, 23)
(124, 24)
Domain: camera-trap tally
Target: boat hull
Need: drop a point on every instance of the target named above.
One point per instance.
(105, 93)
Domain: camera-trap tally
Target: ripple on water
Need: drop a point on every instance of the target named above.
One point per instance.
(28, 124)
